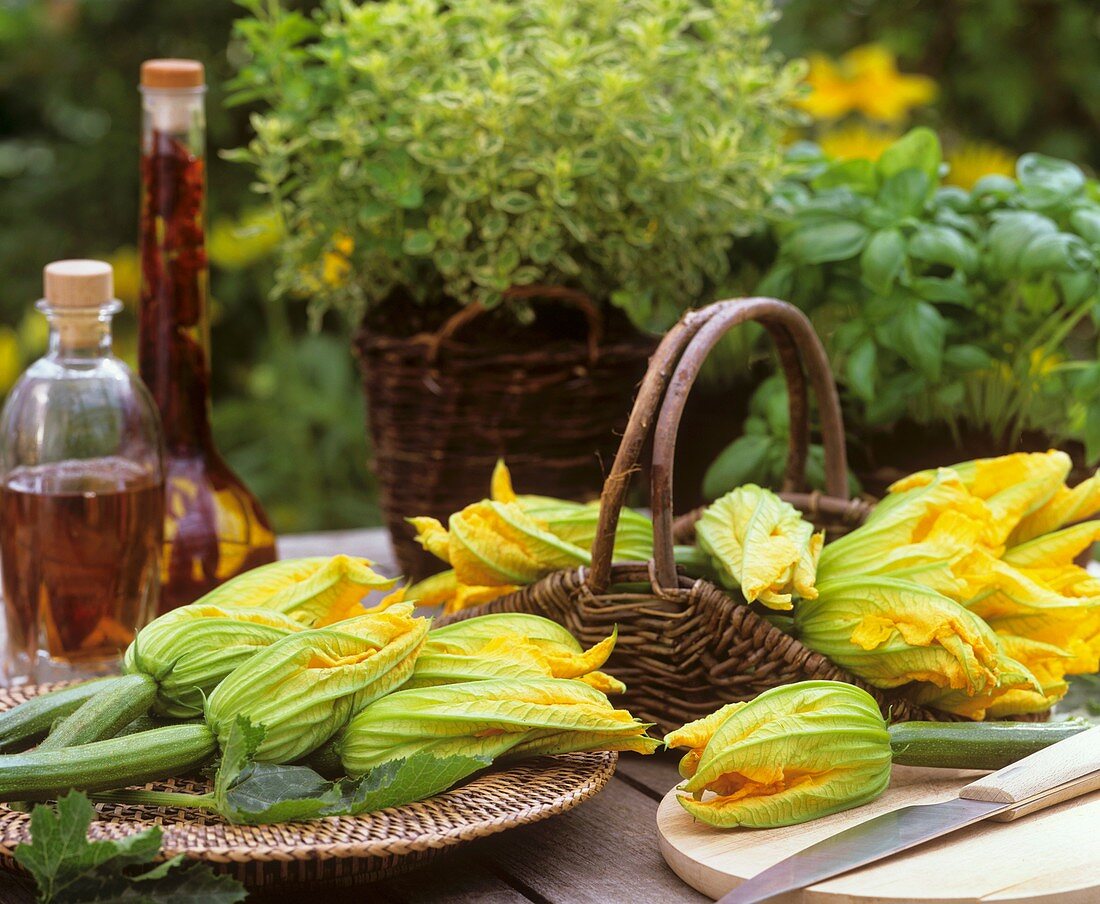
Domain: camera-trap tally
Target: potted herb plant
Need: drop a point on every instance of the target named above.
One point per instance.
(450, 173)
(959, 323)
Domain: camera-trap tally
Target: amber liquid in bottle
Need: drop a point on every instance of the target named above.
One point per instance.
(214, 528)
(80, 549)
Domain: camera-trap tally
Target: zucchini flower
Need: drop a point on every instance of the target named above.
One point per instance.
(303, 688)
(1032, 680)
(499, 544)
(509, 645)
(760, 544)
(189, 650)
(934, 533)
(890, 632)
(435, 737)
(1037, 592)
(1066, 506)
(314, 591)
(792, 754)
(1012, 486)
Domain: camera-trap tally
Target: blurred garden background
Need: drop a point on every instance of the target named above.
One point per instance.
(288, 404)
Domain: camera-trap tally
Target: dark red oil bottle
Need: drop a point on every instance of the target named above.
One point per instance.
(214, 527)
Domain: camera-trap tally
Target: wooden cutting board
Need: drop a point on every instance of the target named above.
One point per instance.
(1050, 857)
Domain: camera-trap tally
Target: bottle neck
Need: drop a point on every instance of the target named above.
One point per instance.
(174, 345)
(79, 333)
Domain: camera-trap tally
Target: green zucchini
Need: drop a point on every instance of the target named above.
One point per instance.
(105, 714)
(974, 745)
(114, 763)
(24, 724)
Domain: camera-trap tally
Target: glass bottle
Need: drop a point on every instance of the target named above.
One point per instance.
(81, 491)
(214, 528)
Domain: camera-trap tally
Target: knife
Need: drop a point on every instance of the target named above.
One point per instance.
(1058, 773)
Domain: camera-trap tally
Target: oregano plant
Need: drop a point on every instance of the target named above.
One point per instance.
(450, 151)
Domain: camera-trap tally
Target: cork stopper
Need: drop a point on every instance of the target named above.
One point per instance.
(172, 74)
(79, 284)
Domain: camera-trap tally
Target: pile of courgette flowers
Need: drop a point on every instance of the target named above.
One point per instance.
(961, 587)
(301, 703)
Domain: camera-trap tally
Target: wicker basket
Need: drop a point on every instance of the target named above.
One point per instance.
(687, 646)
(442, 412)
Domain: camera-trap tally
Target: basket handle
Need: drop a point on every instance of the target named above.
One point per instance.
(798, 346)
(571, 297)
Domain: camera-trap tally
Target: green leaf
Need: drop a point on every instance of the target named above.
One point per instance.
(742, 461)
(418, 242)
(1086, 222)
(967, 358)
(918, 149)
(68, 868)
(513, 202)
(882, 260)
(1092, 434)
(918, 334)
(903, 194)
(1009, 236)
(858, 175)
(820, 243)
(418, 777)
(949, 291)
(943, 245)
(1046, 181)
(860, 369)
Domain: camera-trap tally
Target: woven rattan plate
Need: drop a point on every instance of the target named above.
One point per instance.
(339, 850)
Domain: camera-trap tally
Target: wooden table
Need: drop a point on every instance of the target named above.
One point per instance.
(604, 851)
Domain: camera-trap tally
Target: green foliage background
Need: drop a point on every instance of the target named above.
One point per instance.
(1022, 73)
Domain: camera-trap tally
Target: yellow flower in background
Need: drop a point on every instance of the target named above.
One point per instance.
(336, 264)
(794, 753)
(856, 142)
(891, 632)
(865, 80)
(241, 243)
(127, 273)
(970, 161)
(761, 545)
(11, 359)
(1012, 486)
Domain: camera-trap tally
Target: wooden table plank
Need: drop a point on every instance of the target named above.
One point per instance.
(603, 851)
(653, 775)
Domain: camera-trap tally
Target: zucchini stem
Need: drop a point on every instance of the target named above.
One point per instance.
(157, 799)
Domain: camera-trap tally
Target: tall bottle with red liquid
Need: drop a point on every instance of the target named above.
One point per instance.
(214, 527)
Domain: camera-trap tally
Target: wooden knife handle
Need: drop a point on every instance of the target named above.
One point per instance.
(1059, 772)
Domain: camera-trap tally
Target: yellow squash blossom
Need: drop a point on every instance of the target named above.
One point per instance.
(191, 649)
(933, 533)
(315, 591)
(1066, 506)
(303, 688)
(761, 544)
(891, 632)
(1015, 682)
(792, 754)
(1012, 486)
(511, 645)
(440, 735)
(1037, 592)
(499, 544)
(866, 80)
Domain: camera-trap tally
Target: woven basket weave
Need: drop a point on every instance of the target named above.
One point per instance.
(687, 646)
(442, 412)
(342, 850)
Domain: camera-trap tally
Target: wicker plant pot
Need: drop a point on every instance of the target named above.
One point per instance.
(687, 646)
(442, 412)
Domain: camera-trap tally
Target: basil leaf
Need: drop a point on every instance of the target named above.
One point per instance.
(824, 242)
(882, 260)
(943, 245)
(919, 149)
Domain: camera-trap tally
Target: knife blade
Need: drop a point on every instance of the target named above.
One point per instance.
(1058, 773)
